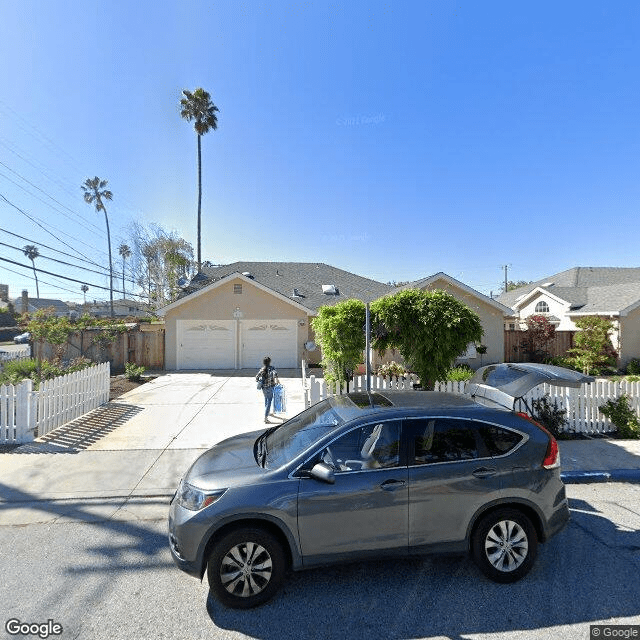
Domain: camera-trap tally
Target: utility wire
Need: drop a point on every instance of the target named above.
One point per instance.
(69, 264)
(34, 220)
(98, 231)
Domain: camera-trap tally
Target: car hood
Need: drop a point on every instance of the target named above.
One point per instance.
(228, 463)
(505, 383)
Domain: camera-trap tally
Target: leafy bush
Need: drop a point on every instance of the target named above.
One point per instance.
(549, 415)
(133, 372)
(622, 416)
(461, 373)
(633, 367)
(391, 369)
(15, 371)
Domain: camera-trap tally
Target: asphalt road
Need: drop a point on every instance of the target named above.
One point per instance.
(115, 579)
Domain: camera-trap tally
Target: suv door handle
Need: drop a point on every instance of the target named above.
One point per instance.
(485, 472)
(392, 485)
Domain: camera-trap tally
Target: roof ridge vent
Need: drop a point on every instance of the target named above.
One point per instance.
(330, 289)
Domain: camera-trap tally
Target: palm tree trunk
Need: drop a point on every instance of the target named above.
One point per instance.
(35, 275)
(123, 291)
(106, 218)
(199, 201)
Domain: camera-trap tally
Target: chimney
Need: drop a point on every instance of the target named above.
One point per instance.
(25, 301)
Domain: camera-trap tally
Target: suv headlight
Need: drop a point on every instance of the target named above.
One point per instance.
(195, 499)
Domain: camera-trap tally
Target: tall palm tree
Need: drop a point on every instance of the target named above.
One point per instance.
(125, 252)
(31, 251)
(198, 106)
(95, 193)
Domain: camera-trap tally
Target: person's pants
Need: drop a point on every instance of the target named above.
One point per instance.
(268, 398)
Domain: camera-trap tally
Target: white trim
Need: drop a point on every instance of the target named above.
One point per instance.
(226, 280)
(539, 290)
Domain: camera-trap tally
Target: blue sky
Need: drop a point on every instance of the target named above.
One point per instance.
(394, 140)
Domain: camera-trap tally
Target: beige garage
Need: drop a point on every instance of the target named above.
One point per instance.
(276, 338)
(206, 344)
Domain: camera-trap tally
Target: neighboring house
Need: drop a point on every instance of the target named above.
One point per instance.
(491, 312)
(609, 292)
(246, 310)
(121, 308)
(31, 305)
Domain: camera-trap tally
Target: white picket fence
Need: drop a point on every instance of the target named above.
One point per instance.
(581, 405)
(25, 411)
(21, 353)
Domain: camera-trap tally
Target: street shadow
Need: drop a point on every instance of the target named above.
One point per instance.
(81, 433)
(589, 572)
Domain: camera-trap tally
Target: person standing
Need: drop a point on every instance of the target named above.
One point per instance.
(268, 377)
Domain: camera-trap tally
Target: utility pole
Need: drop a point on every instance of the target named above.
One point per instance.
(368, 346)
(506, 279)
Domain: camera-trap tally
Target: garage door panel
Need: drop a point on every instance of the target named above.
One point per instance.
(275, 338)
(206, 345)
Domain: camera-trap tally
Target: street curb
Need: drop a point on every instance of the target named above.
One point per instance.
(612, 475)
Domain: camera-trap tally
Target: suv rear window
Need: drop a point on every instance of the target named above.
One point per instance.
(451, 439)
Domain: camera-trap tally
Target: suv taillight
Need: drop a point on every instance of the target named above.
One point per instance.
(552, 455)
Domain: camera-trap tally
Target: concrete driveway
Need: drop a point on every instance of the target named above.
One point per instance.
(140, 444)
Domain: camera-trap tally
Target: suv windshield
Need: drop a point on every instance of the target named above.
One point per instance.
(295, 436)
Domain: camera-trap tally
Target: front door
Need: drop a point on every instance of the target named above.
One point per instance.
(366, 509)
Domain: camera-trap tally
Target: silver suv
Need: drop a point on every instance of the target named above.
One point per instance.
(367, 475)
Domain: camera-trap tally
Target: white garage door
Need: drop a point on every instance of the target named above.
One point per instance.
(206, 344)
(275, 338)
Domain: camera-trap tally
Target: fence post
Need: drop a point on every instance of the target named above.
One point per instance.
(24, 411)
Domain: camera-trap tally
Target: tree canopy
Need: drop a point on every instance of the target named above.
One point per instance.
(430, 329)
(339, 330)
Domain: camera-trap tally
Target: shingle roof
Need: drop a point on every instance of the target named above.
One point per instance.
(588, 289)
(306, 278)
(43, 303)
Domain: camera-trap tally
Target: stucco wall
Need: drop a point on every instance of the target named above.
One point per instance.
(220, 303)
(629, 337)
(557, 309)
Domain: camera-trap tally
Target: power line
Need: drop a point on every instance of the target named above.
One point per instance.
(35, 220)
(69, 264)
(98, 231)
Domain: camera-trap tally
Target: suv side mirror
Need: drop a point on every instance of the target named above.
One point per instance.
(323, 472)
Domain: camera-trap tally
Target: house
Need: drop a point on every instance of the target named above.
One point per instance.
(243, 311)
(491, 312)
(609, 292)
(25, 304)
(121, 308)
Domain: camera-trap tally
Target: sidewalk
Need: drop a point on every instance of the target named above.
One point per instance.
(129, 455)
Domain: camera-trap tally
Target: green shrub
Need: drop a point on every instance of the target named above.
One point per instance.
(622, 416)
(391, 369)
(549, 415)
(133, 372)
(15, 371)
(633, 367)
(461, 373)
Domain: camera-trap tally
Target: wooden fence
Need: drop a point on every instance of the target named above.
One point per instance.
(25, 411)
(515, 349)
(581, 405)
(141, 344)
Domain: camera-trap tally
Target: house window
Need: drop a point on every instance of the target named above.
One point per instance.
(237, 288)
(542, 307)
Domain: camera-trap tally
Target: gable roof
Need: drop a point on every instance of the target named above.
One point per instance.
(588, 290)
(425, 282)
(283, 278)
(34, 304)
